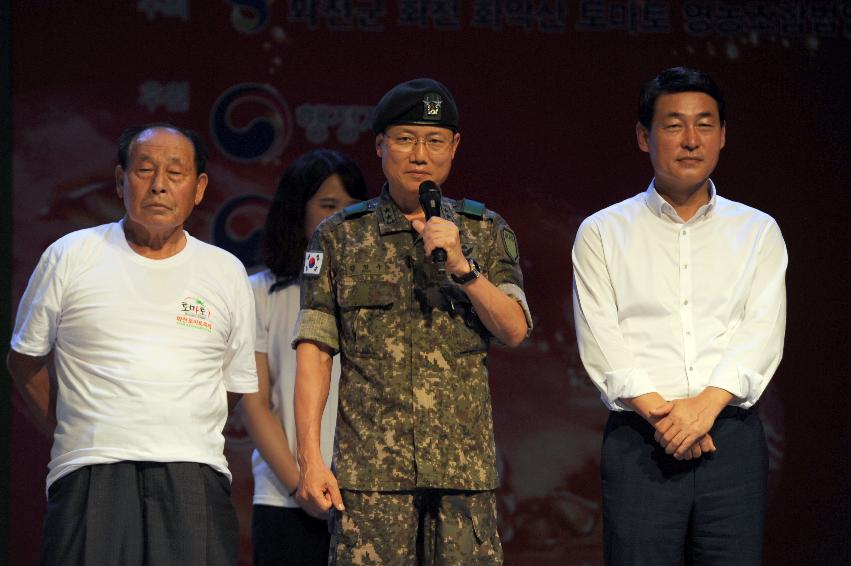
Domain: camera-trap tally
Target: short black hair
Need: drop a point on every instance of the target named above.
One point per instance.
(283, 245)
(129, 135)
(677, 79)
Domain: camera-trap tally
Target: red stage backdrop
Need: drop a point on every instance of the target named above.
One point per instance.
(547, 92)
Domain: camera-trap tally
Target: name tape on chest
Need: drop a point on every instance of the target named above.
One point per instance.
(312, 263)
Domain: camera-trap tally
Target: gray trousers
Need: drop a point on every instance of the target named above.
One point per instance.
(141, 513)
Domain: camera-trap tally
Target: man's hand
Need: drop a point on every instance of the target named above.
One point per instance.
(703, 445)
(685, 422)
(653, 408)
(317, 486)
(318, 491)
(441, 233)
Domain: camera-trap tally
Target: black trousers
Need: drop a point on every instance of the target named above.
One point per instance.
(285, 536)
(658, 511)
(141, 514)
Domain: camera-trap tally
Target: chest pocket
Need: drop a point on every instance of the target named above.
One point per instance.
(366, 314)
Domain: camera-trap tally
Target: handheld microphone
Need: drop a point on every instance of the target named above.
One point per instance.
(430, 201)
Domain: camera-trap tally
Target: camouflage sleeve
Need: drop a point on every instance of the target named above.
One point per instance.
(502, 266)
(317, 319)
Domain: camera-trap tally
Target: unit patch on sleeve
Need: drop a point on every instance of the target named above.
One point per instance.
(312, 263)
(509, 242)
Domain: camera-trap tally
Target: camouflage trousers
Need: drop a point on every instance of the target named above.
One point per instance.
(424, 527)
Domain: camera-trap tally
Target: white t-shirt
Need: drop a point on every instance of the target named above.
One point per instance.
(145, 349)
(276, 316)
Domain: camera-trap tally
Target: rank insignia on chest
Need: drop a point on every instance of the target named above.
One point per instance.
(312, 263)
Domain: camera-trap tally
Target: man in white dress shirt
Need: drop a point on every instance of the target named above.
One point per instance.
(680, 307)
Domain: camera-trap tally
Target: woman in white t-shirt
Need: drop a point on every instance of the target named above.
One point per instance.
(316, 185)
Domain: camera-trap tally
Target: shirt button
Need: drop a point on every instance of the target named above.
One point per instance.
(688, 332)
(685, 302)
(684, 232)
(691, 368)
(685, 266)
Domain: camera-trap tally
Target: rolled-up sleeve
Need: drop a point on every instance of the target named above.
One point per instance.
(317, 320)
(518, 295)
(316, 326)
(756, 347)
(503, 269)
(607, 359)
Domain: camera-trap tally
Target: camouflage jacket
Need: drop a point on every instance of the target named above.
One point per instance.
(415, 408)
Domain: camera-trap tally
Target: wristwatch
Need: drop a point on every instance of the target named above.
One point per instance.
(474, 273)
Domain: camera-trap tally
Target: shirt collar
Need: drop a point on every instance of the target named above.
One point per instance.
(660, 207)
(391, 219)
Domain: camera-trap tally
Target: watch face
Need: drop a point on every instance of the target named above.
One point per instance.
(474, 273)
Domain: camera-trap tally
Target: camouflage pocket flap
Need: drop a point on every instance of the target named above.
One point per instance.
(354, 293)
(341, 528)
(483, 516)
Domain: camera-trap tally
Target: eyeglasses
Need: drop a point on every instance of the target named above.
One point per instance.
(405, 143)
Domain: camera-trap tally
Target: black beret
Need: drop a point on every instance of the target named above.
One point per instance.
(420, 101)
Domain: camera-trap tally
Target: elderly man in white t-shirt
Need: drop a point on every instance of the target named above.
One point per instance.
(152, 336)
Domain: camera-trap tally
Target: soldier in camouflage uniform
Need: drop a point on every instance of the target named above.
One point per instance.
(415, 468)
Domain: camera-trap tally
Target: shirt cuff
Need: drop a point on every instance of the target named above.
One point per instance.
(516, 293)
(627, 383)
(27, 350)
(242, 387)
(316, 326)
(742, 383)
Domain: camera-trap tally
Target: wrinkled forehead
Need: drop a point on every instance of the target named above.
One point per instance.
(162, 141)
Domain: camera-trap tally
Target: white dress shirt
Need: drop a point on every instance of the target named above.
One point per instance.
(673, 307)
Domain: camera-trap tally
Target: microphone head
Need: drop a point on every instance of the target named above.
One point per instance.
(429, 186)
(430, 198)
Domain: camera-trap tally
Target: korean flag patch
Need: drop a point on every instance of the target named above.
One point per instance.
(312, 263)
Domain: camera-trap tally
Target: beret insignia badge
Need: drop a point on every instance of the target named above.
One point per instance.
(431, 106)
